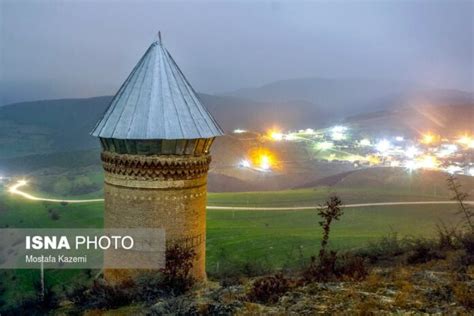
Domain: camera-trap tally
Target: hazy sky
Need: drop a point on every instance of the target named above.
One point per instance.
(52, 49)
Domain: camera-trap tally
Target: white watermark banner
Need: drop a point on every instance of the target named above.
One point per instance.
(118, 248)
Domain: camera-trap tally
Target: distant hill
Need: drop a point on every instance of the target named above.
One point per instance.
(448, 120)
(49, 126)
(397, 179)
(233, 112)
(344, 97)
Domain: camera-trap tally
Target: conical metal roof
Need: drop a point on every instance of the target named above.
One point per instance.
(156, 102)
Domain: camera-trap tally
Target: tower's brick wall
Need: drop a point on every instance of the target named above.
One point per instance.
(158, 192)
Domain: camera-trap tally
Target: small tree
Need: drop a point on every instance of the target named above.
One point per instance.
(329, 212)
(461, 197)
(325, 268)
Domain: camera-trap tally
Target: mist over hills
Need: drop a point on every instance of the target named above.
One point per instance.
(40, 127)
(447, 120)
(344, 97)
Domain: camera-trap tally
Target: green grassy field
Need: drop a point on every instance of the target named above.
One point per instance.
(315, 196)
(273, 239)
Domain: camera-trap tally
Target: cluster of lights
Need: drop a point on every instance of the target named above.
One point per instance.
(260, 160)
(429, 152)
(277, 136)
(423, 162)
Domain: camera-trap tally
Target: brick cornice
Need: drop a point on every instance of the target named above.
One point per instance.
(157, 167)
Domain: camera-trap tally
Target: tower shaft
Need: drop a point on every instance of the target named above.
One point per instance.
(159, 191)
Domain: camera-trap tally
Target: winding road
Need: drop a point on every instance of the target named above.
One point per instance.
(15, 189)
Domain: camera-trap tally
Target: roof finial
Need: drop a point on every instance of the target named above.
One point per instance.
(159, 36)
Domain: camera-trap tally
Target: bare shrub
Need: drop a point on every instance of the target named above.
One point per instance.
(446, 236)
(177, 272)
(351, 267)
(422, 251)
(460, 197)
(464, 294)
(104, 295)
(269, 289)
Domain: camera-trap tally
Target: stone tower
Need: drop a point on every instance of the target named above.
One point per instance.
(155, 138)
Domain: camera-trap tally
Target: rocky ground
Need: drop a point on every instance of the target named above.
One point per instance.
(419, 289)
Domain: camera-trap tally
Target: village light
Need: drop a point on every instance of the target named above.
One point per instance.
(452, 169)
(383, 146)
(338, 132)
(471, 172)
(428, 162)
(447, 150)
(467, 141)
(244, 163)
(324, 145)
(411, 165)
(411, 152)
(276, 136)
(290, 137)
(265, 162)
(428, 138)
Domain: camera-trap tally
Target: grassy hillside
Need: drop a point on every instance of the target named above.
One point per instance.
(48, 126)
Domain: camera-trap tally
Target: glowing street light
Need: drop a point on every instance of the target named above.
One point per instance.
(467, 141)
(265, 162)
(239, 131)
(244, 163)
(383, 146)
(411, 152)
(276, 136)
(428, 138)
